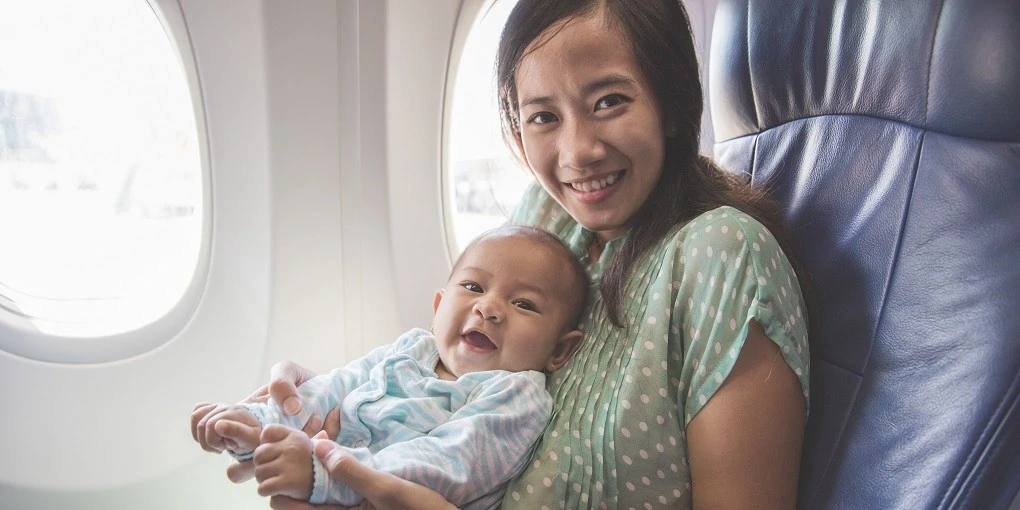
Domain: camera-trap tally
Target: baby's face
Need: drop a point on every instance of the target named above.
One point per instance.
(506, 306)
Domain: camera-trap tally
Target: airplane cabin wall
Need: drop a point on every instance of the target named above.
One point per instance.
(324, 123)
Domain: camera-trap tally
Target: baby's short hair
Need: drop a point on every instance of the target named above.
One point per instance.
(578, 274)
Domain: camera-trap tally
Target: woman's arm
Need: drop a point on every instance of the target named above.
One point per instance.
(744, 445)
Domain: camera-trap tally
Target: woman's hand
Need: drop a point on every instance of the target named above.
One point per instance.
(382, 491)
(284, 378)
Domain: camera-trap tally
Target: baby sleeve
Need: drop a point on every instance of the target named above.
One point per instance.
(732, 271)
(470, 459)
(323, 393)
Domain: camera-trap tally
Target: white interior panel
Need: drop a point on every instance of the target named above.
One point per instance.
(115, 435)
(418, 39)
(324, 120)
(104, 424)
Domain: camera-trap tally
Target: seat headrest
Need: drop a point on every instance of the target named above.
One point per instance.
(951, 67)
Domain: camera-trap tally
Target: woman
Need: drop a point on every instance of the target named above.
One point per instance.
(690, 387)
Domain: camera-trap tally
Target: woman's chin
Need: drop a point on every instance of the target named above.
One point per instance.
(605, 228)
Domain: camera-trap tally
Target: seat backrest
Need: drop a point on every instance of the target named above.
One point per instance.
(889, 130)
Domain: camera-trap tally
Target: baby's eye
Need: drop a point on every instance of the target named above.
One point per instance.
(610, 101)
(472, 286)
(541, 118)
(525, 305)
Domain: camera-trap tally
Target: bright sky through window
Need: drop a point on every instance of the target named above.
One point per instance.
(484, 180)
(100, 169)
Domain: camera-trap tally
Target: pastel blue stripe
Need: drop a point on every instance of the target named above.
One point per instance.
(466, 439)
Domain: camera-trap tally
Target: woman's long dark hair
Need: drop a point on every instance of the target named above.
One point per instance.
(690, 184)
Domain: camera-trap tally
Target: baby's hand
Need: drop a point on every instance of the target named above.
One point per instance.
(283, 463)
(219, 427)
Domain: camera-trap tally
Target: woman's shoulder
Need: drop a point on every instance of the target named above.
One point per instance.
(721, 230)
(724, 244)
(730, 270)
(723, 220)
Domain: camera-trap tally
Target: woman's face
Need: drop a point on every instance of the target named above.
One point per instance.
(591, 129)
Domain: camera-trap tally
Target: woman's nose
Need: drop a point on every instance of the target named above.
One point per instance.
(488, 310)
(580, 145)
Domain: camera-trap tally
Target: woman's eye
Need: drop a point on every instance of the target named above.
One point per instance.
(541, 118)
(526, 305)
(610, 101)
(472, 286)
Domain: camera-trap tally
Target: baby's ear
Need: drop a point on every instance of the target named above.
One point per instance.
(565, 348)
(435, 301)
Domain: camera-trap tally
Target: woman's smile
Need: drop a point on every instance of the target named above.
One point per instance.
(596, 189)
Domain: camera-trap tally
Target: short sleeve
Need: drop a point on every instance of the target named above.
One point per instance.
(732, 271)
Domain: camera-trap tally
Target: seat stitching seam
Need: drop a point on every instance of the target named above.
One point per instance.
(877, 117)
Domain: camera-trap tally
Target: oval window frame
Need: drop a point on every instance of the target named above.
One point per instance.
(471, 13)
(19, 334)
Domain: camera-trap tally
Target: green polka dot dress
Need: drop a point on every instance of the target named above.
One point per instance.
(616, 437)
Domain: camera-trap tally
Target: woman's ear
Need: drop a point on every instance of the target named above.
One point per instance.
(565, 348)
(671, 128)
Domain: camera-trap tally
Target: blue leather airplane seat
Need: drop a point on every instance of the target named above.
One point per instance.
(889, 130)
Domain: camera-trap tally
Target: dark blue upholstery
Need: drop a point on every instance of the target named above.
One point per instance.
(890, 132)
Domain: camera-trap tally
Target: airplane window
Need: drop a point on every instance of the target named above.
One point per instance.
(100, 170)
(483, 181)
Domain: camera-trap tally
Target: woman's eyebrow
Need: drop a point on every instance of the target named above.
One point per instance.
(609, 81)
(543, 100)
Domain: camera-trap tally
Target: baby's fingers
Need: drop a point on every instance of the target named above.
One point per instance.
(284, 483)
(200, 410)
(239, 437)
(264, 454)
(271, 487)
(205, 435)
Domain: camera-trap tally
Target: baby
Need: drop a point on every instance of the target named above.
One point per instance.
(457, 409)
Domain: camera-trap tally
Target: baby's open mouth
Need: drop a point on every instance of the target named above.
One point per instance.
(478, 340)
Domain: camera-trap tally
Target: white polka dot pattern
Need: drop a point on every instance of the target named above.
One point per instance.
(625, 398)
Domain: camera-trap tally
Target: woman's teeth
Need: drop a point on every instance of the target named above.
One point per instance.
(589, 186)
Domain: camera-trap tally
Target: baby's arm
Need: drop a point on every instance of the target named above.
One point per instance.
(470, 457)
(284, 460)
(320, 395)
(218, 427)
